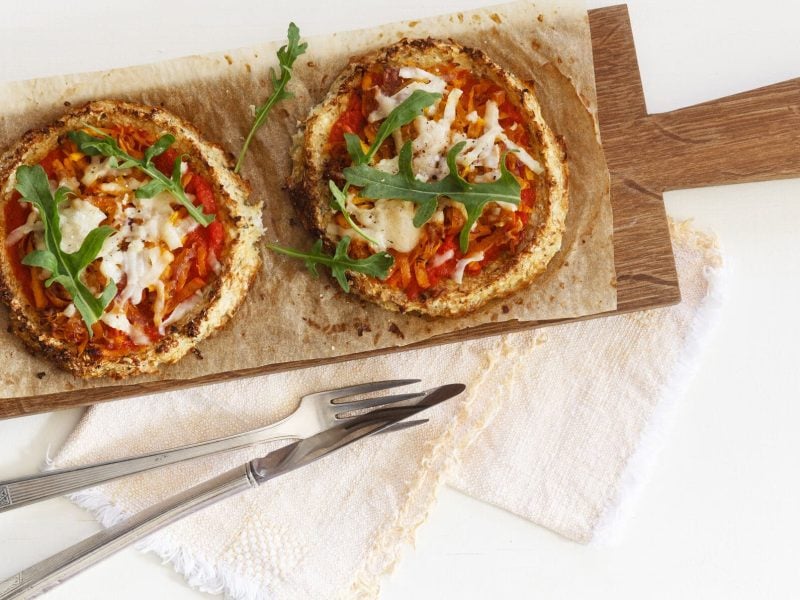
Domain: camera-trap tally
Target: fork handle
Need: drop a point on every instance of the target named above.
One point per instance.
(27, 490)
(50, 572)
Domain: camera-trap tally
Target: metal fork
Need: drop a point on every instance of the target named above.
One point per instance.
(71, 561)
(316, 412)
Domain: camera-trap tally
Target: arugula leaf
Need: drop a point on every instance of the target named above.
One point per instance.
(286, 56)
(65, 268)
(404, 185)
(474, 196)
(401, 115)
(162, 145)
(408, 110)
(105, 145)
(377, 265)
(338, 200)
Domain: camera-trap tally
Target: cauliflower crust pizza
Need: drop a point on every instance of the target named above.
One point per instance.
(126, 239)
(432, 153)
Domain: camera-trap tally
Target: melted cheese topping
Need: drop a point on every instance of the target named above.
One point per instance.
(77, 218)
(180, 311)
(116, 318)
(433, 141)
(141, 249)
(388, 222)
(442, 258)
(33, 223)
(458, 274)
(139, 252)
(100, 168)
(386, 104)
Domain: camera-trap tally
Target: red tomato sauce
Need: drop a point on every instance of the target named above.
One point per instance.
(193, 268)
(496, 235)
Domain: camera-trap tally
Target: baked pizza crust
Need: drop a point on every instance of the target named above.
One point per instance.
(240, 263)
(309, 191)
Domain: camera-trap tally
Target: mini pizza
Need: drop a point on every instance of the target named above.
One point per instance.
(432, 153)
(126, 239)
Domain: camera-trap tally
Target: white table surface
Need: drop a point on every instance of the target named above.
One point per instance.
(720, 516)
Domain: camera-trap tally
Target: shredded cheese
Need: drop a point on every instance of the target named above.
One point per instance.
(100, 169)
(387, 104)
(458, 273)
(180, 311)
(141, 249)
(138, 252)
(117, 319)
(33, 223)
(78, 217)
(484, 150)
(442, 258)
(388, 222)
(434, 140)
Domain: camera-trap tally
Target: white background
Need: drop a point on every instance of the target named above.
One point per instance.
(720, 516)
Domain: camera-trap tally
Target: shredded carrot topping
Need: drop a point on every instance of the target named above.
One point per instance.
(498, 231)
(191, 270)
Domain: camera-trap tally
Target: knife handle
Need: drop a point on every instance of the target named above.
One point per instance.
(50, 572)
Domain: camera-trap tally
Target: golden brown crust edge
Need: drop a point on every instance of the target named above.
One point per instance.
(241, 220)
(543, 237)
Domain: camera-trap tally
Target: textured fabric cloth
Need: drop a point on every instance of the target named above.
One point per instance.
(562, 419)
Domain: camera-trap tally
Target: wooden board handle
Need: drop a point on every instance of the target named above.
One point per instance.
(753, 136)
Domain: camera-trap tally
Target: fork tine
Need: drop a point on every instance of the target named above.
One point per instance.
(431, 398)
(363, 388)
(373, 402)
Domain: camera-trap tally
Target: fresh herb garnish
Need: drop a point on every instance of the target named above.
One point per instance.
(338, 200)
(104, 145)
(377, 184)
(65, 268)
(286, 57)
(408, 110)
(377, 265)
(401, 115)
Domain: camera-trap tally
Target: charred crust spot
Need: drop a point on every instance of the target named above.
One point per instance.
(41, 375)
(393, 328)
(506, 309)
(197, 353)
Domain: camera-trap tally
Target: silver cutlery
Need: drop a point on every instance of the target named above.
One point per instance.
(67, 563)
(316, 412)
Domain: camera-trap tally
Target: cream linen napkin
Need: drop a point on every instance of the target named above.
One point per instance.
(578, 405)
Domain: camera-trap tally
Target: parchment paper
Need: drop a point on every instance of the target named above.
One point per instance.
(288, 315)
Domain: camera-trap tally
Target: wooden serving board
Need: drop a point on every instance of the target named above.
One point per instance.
(754, 136)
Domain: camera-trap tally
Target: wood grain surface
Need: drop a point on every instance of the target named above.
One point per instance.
(753, 136)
